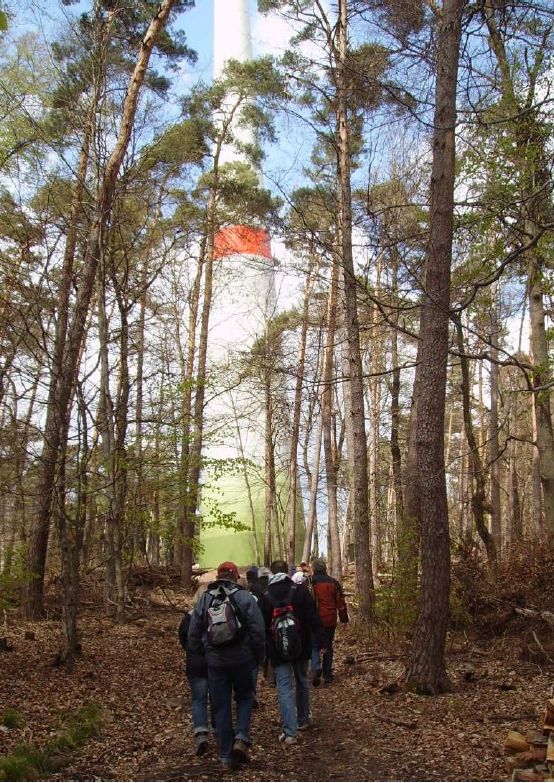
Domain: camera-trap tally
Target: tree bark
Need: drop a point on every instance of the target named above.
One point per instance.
(295, 432)
(496, 523)
(426, 672)
(357, 442)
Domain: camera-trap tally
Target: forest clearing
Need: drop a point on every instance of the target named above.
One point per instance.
(366, 725)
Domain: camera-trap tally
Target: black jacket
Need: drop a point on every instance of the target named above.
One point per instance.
(305, 611)
(195, 662)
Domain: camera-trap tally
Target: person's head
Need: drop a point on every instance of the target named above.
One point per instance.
(228, 570)
(251, 574)
(304, 567)
(279, 567)
(263, 576)
(300, 578)
(319, 566)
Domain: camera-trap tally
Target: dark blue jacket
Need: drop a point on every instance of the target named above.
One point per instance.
(250, 649)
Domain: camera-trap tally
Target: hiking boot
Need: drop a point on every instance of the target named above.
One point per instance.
(316, 680)
(201, 742)
(230, 764)
(286, 739)
(305, 726)
(328, 680)
(239, 754)
(255, 703)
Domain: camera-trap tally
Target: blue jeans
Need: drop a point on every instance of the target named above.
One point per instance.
(222, 682)
(326, 667)
(199, 706)
(293, 714)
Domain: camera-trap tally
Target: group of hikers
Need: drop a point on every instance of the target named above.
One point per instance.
(284, 620)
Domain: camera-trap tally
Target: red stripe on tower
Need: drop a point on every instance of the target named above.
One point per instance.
(240, 240)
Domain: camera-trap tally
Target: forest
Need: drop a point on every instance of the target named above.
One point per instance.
(397, 390)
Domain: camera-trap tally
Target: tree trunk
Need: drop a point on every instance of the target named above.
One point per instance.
(314, 481)
(426, 671)
(542, 380)
(395, 402)
(327, 423)
(537, 210)
(65, 375)
(357, 443)
(295, 433)
(496, 524)
(475, 462)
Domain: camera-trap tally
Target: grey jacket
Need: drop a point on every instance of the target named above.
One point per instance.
(250, 649)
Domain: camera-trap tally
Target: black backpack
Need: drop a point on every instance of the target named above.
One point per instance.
(184, 628)
(224, 622)
(285, 627)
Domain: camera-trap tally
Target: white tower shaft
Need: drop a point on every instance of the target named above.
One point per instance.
(232, 39)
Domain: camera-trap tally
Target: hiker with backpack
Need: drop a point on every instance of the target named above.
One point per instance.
(196, 671)
(330, 602)
(290, 619)
(228, 625)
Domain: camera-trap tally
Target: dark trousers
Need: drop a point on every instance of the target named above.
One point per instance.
(222, 683)
(326, 666)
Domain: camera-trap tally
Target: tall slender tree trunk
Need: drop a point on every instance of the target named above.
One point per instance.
(334, 556)
(187, 372)
(314, 482)
(475, 461)
(357, 443)
(516, 522)
(494, 451)
(295, 432)
(537, 485)
(542, 379)
(396, 455)
(426, 671)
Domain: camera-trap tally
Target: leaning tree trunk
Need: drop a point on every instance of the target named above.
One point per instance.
(69, 358)
(426, 670)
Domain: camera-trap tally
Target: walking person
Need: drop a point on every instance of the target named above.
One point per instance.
(330, 602)
(291, 620)
(196, 671)
(228, 625)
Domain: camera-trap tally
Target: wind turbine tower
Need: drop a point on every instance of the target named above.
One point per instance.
(244, 300)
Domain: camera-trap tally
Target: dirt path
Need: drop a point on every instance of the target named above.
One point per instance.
(361, 731)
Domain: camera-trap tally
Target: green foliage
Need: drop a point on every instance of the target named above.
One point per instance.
(24, 763)
(460, 616)
(3, 22)
(11, 718)
(395, 608)
(79, 727)
(12, 579)
(27, 762)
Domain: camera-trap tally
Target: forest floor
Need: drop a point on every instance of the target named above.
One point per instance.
(366, 726)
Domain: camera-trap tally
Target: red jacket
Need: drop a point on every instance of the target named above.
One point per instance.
(329, 599)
